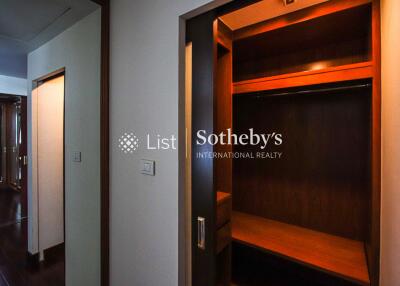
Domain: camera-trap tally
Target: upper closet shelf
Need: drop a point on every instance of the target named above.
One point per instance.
(356, 71)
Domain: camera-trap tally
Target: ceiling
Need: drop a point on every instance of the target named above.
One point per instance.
(263, 10)
(27, 24)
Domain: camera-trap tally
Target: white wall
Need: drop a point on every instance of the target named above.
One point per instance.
(144, 99)
(390, 259)
(13, 85)
(78, 50)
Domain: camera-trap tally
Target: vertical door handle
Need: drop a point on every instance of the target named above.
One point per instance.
(201, 233)
(23, 159)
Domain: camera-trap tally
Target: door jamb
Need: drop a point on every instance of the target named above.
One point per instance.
(104, 143)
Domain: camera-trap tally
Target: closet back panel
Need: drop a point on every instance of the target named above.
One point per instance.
(322, 181)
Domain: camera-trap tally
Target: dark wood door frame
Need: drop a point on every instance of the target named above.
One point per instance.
(104, 141)
(23, 152)
(218, 8)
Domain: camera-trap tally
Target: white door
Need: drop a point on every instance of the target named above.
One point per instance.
(50, 142)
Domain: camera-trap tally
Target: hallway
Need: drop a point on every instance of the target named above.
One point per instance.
(14, 268)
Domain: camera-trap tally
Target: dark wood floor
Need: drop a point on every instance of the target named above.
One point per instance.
(15, 270)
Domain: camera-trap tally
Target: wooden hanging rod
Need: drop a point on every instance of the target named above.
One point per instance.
(311, 91)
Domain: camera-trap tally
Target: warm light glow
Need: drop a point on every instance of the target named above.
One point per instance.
(318, 66)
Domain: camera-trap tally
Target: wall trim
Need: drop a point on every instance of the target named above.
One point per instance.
(104, 142)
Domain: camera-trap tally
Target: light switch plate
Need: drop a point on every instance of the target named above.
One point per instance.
(147, 167)
(77, 156)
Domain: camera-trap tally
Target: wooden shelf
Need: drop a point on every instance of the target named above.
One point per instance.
(334, 255)
(224, 209)
(328, 75)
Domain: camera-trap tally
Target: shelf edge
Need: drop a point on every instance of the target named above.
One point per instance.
(349, 72)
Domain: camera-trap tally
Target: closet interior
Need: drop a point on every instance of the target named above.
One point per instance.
(309, 217)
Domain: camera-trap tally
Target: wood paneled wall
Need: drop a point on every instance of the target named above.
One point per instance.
(322, 179)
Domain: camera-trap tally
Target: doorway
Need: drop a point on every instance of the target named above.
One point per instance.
(13, 155)
(49, 168)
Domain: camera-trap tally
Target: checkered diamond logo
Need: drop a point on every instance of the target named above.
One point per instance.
(128, 143)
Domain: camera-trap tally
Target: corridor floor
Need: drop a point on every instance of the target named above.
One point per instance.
(15, 270)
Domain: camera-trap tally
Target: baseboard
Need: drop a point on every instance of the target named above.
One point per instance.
(54, 253)
(32, 259)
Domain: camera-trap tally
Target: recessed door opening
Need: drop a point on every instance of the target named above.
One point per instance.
(48, 169)
(13, 159)
(302, 209)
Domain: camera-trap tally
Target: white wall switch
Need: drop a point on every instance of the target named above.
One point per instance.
(147, 167)
(77, 156)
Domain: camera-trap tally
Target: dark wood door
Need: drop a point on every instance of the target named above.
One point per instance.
(23, 157)
(200, 32)
(12, 144)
